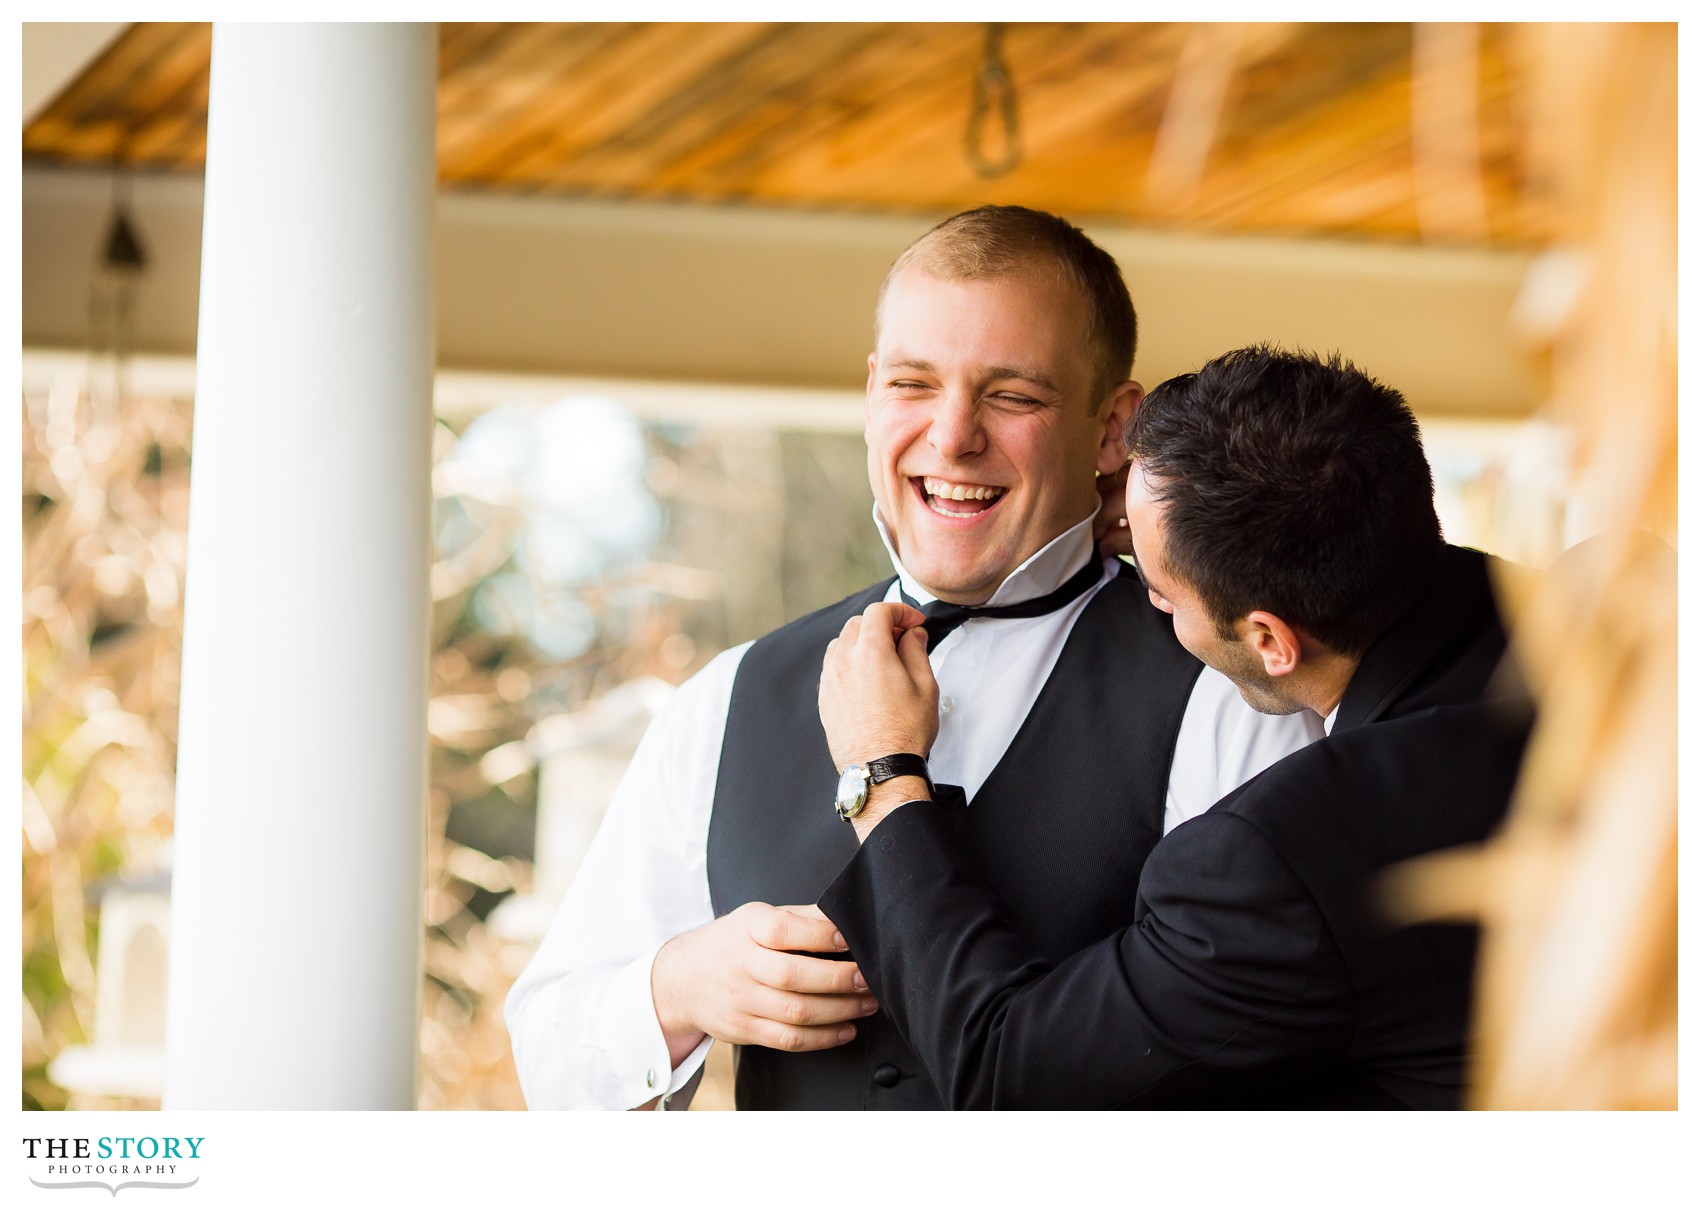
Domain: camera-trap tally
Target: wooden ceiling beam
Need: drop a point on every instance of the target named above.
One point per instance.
(611, 96)
(1311, 131)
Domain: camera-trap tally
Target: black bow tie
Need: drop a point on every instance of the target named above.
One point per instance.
(943, 618)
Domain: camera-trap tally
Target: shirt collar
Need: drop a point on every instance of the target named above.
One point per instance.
(1040, 573)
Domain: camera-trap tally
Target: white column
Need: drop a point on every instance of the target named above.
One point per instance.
(297, 889)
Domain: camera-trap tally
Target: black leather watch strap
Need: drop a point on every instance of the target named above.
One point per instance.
(893, 765)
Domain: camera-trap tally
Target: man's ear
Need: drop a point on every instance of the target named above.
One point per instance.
(1112, 454)
(868, 398)
(1276, 643)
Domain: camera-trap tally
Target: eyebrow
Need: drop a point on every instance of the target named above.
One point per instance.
(991, 372)
(1011, 372)
(1144, 580)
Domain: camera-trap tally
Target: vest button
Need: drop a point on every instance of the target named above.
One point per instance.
(887, 1075)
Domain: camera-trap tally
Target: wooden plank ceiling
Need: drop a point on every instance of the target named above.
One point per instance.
(1301, 129)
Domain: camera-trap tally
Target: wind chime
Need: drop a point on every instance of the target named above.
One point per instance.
(118, 273)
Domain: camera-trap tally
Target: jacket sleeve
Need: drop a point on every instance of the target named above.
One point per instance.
(1226, 989)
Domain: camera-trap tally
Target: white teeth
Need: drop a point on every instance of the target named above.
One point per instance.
(946, 491)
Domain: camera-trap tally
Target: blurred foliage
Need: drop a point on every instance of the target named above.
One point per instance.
(105, 509)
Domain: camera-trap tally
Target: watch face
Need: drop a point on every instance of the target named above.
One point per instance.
(852, 790)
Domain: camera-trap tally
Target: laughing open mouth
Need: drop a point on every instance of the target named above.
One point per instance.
(953, 499)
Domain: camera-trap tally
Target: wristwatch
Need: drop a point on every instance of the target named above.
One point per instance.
(858, 777)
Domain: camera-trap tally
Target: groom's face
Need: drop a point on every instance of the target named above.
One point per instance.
(983, 438)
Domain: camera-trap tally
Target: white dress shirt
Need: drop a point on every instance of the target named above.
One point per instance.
(581, 1016)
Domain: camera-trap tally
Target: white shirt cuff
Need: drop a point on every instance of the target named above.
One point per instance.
(642, 1070)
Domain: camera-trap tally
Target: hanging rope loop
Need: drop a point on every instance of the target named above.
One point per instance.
(993, 89)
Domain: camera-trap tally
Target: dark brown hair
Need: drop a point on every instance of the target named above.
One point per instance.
(1290, 484)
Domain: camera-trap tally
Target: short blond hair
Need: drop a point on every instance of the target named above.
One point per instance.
(992, 241)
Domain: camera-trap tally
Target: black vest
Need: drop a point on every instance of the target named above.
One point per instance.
(1061, 827)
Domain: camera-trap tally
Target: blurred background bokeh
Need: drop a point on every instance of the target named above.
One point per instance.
(659, 246)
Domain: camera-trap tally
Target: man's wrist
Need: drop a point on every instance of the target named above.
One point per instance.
(886, 796)
(681, 1034)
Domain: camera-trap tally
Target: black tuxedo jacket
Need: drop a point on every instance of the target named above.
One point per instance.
(1256, 970)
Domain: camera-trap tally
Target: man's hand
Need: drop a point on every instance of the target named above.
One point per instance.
(877, 691)
(1110, 527)
(740, 979)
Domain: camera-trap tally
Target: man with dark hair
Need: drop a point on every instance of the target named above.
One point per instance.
(1282, 513)
(997, 392)
(1321, 511)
